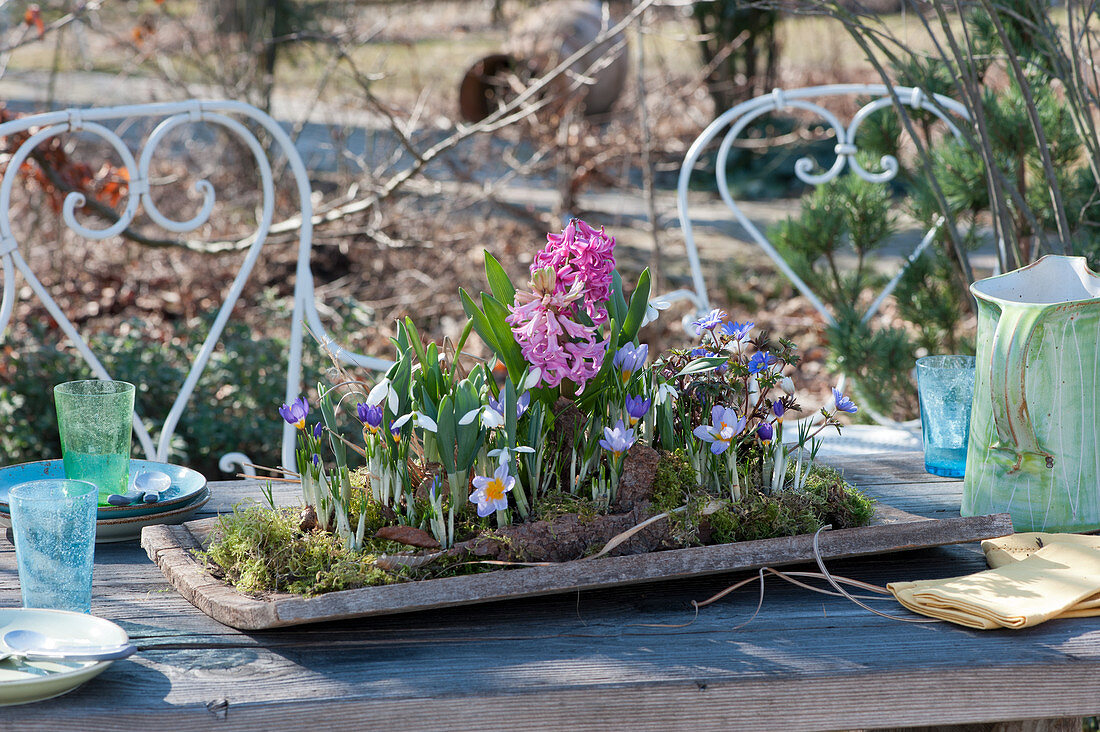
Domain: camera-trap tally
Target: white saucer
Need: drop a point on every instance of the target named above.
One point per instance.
(29, 681)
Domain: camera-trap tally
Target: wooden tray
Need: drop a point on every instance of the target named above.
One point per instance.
(891, 530)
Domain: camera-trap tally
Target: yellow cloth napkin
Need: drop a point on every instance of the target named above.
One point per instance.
(1051, 581)
(1015, 547)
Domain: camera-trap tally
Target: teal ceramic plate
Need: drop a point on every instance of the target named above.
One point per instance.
(29, 681)
(125, 528)
(186, 486)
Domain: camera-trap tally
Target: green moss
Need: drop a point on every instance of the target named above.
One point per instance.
(558, 503)
(675, 482)
(259, 549)
(827, 499)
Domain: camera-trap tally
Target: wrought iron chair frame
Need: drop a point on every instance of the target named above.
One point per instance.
(737, 118)
(231, 116)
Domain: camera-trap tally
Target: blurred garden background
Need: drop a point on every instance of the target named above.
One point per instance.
(420, 158)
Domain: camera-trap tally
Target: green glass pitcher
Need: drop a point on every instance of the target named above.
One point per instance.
(1034, 449)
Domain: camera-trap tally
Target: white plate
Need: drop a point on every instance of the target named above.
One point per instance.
(30, 681)
(129, 527)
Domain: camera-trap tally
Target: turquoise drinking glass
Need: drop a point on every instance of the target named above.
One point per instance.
(53, 523)
(95, 419)
(945, 385)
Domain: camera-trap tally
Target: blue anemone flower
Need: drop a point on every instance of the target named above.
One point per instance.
(760, 361)
(843, 403)
(710, 321)
(737, 331)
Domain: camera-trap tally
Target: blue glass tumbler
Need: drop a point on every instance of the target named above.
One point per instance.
(53, 522)
(945, 385)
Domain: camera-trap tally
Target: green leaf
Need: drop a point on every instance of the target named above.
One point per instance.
(499, 282)
(701, 365)
(414, 341)
(479, 320)
(445, 433)
(617, 302)
(507, 348)
(638, 302)
(510, 401)
(469, 436)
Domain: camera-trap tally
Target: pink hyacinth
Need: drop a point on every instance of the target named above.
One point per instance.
(549, 338)
(580, 253)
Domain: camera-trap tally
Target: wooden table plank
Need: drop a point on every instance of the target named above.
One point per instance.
(600, 659)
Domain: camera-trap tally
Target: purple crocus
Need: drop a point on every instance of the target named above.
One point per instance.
(779, 409)
(843, 403)
(724, 426)
(737, 331)
(765, 432)
(295, 412)
(637, 407)
(318, 429)
(760, 361)
(617, 440)
(316, 459)
(522, 403)
(370, 415)
(710, 321)
(489, 492)
(630, 358)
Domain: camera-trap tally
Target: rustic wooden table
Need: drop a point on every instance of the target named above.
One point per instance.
(627, 658)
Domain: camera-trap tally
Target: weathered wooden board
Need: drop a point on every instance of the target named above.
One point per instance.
(892, 530)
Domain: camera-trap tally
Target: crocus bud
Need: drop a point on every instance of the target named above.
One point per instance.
(765, 432)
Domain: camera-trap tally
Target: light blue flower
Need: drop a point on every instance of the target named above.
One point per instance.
(710, 321)
(629, 359)
(617, 440)
(724, 426)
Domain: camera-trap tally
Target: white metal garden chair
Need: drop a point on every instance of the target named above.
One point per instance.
(734, 121)
(237, 119)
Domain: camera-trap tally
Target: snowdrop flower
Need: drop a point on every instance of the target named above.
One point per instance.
(653, 309)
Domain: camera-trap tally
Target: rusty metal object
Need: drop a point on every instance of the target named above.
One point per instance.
(537, 42)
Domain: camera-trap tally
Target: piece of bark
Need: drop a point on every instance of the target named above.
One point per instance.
(639, 473)
(408, 535)
(566, 538)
